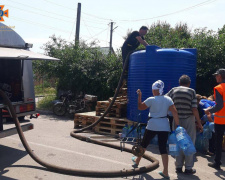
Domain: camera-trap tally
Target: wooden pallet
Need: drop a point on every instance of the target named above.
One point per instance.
(83, 120)
(109, 131)
(109, 125)
(116, 121)
(105, 104)
(118, 113)
(102, 103)
(117, 110)
(118, 99)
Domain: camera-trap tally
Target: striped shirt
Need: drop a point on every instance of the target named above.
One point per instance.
(184, 99)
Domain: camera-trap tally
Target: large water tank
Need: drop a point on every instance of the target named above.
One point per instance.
(152, 64)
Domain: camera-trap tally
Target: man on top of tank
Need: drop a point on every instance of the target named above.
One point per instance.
(133, 41)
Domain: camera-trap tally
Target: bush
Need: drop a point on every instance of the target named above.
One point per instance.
(81, 69)
(85, 69)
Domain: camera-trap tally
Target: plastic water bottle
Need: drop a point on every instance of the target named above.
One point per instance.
(125, 130)
(184, 141)
(211, 126)
(204, 118)
(206, 131)
(173, 145)
(132, 132)
(201, 143)
(191, 149)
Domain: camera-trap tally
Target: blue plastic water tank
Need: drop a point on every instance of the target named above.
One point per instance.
(155, 63)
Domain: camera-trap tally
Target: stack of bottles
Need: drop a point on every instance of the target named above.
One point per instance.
(184, 141)
(207, 133)
(174, 148)
(211, 126)
(126, 129)
(201, 143)
(202, 139)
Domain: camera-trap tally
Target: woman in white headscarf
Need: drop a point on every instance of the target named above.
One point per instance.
(158, 123)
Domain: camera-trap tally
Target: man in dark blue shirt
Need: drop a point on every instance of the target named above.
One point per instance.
(133, 41)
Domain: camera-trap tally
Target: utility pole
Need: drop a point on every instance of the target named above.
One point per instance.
(110, 43)
(78, 24)
(111, 33)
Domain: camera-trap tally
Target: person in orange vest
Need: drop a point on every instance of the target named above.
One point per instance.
(219, 117)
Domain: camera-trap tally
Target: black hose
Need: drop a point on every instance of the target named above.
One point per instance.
(78, 172)
(151, 167)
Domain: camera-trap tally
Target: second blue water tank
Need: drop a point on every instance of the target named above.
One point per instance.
(155, 63)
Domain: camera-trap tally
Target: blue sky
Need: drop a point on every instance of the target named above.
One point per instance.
(36, 20)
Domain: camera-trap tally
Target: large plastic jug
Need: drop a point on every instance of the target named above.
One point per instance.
(125, 130)
(173, 145)
(184, 141)
(211, 126)
(201, 143)
(191, 149)
(207, 133)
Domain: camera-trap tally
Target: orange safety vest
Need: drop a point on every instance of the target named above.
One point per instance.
(219, 117)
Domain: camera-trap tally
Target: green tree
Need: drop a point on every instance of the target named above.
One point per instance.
(86, 69)
(80, 69)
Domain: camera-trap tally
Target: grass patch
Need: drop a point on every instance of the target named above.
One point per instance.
(46, 102)
(39, 91)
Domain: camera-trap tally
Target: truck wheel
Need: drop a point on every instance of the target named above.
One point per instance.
(59, 109)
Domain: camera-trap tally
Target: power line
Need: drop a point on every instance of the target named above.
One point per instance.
(42, 10)
(101, 40)
(60, 5)
(94, 27)
(188, 8)
(107, 33)
(119, 34)
(93, 21)
(86, 26)
(96, 34)
(72, 28)
(39, 24)
(40, 14)
(168, 14)
(90, 26)
(97, 16)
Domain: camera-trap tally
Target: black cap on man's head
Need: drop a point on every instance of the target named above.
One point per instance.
(221, 72)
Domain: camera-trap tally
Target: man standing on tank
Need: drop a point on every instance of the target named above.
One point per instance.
(133, 41)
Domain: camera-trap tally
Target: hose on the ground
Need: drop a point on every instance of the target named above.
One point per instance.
(78, 172)
(151, 167)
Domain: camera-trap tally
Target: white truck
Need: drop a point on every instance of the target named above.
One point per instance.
(16, 75)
